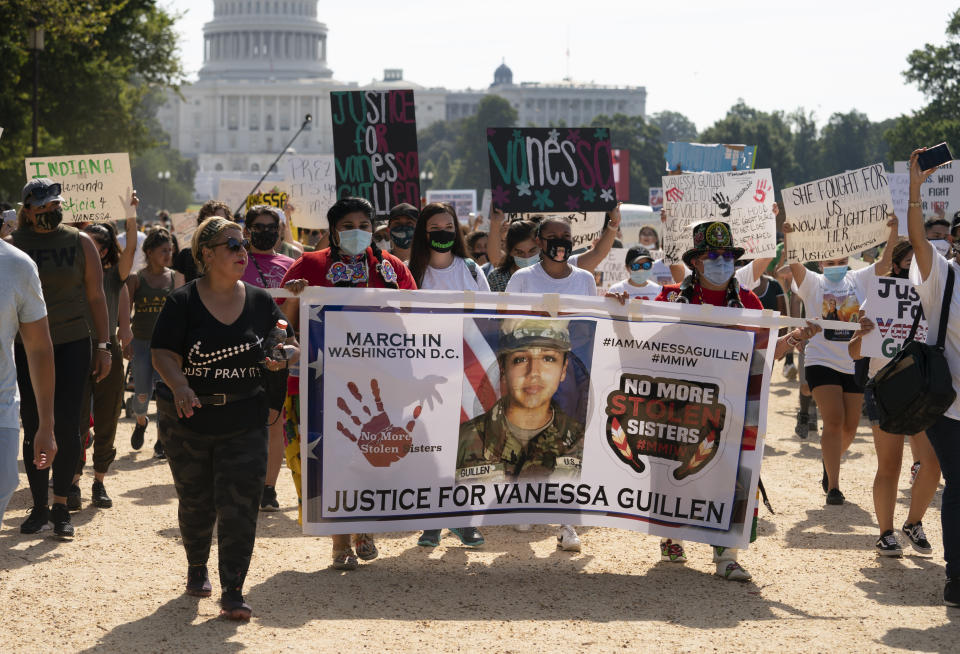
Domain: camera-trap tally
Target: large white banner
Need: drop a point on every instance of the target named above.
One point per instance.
(892, 305)
(313, 188)
(838, 216)
(742, 198)
(95, 187)
(434, 410)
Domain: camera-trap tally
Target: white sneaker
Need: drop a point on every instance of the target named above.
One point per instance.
(522, 528)
(567, 539)
(732, 571)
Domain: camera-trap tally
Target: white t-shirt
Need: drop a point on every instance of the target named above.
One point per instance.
(931, 297)
(533, 279)
(455, 277)
(648, 291)
(139, 258)
(745, 277)
(833, 301)
(21, 301)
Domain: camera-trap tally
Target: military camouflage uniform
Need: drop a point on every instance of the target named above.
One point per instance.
(488, 451)
(219, 478)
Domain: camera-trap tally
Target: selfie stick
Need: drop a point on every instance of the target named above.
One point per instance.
(306, 121)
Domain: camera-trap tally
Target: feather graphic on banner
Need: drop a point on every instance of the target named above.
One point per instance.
(619, 439)
(703, 454)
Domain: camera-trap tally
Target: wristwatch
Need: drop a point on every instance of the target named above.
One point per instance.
(103, 345)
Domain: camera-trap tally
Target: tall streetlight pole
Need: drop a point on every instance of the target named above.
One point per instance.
(35, 44)
(164, 177)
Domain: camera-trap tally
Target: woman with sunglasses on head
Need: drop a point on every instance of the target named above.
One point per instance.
(107, 394)
(148, 291)
(438, 261)
(638, 285)
(208, 347)
(351, 261)
(522, 251)
(71, 279)
(266, 268)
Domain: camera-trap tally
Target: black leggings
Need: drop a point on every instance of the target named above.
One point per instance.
(71, 363)
(219, 479)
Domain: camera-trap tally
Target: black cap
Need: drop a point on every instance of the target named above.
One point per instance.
(37, 192)
(404, 209)
(637, 252)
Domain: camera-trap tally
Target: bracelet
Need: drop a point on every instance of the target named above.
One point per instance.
(915, 205)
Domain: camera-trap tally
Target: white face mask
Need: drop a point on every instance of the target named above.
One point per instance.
(941, 246)
(640, 276)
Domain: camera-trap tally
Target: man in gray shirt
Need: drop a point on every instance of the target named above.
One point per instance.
(22, 309)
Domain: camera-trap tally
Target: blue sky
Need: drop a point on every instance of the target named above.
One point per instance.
(695, 57)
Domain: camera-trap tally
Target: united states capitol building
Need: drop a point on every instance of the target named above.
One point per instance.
(265, 68)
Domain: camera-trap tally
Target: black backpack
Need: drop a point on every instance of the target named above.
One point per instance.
(915, 387)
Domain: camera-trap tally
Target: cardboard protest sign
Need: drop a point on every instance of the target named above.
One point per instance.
(655, 198)
(940, 194)
(611, 270)
(742, 198)
(657, 425)
(95, 187)
(892, 304)
(539, 169)
(234, 192)
(900, 196)
(464, 201)
(621, 173)
(838, 216)
(276, 195)
(585, 226)
(709, 157)
(313, 188)
(184, 225)
(375, 147)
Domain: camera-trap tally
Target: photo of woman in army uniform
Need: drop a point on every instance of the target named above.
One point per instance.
(535, 429)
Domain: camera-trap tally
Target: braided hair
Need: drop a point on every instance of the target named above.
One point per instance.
(689, 290)
(338, 212)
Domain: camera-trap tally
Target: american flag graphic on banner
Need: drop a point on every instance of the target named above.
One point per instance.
(481, 380)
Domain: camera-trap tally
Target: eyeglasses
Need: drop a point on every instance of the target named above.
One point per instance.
(717, 254)
(234, 245)
(646, 265)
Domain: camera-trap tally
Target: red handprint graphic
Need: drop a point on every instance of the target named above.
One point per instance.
(380, 441)
(674, 194)
(762, 188)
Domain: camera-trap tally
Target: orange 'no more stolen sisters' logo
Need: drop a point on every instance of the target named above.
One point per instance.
(673, 419)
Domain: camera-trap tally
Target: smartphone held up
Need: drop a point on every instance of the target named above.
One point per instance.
(934, 157)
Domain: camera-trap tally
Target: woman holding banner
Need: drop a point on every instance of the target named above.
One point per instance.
(438, 262)
(889, 448)
(212, 407)
(351, 261)
(929, 273)
(835, 291)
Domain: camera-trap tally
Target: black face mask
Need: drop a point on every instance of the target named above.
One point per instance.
(441, 241)
(402, 236)
(264, 240)
(49, 219)
(903, 274)
(558, 249)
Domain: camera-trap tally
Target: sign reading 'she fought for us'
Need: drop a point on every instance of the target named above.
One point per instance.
(549, 170)
(95, 187)
(742, 198)
(437, 413)
(838, 216)
(375, 147)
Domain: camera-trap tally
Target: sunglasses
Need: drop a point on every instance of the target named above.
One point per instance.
(234, 245)
(646, 265)
(718, 254)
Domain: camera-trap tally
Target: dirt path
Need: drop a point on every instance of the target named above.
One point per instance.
(818, 586)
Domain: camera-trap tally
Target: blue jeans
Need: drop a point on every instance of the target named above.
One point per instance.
(9, 476)
(144, 376)
(944, 435)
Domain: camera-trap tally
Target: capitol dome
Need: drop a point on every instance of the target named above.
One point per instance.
(265, 39)
(502, 76)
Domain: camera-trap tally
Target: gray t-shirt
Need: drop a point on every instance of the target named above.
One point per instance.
(21, 301)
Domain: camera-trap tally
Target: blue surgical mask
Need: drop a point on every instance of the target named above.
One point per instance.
(523, 262)
(640, 276)
(718, 271)
(835, 273)
(355, 241)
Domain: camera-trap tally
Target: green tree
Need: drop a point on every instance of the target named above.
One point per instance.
(770, 132)
(101, 62)
(647, 152)
(473, 168)
(674, 126)
(845, 143)
(806, 148)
